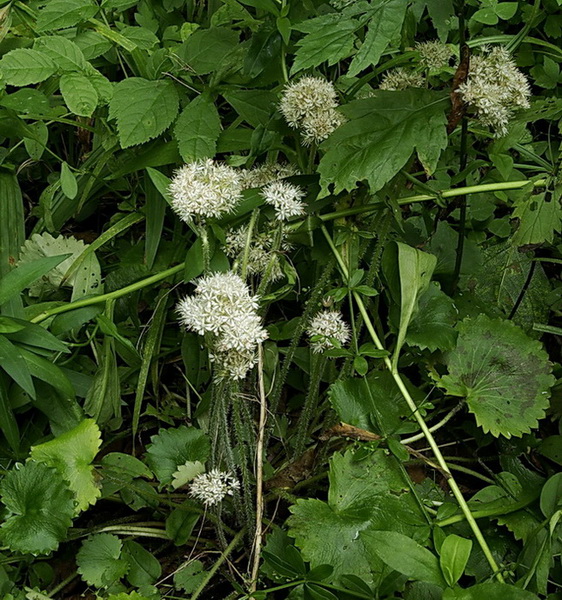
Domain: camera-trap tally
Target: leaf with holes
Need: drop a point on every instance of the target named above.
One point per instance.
(504, 375)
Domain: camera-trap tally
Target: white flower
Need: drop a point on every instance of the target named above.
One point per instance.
(266, 173)
(400, 79)
(495, 88)
(434, 54)
(285, 199)
(328, 325)
(210, 488)
(222, 305)
(309, 105)
(205, 189)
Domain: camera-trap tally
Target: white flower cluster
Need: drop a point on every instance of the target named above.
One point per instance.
(328, 326)
(266, 173)
(285, 199)
(401, 79)
(204, 189)
(210, 488)
(222, 305)
(495, 88)
(260, 255)
(434, 54)
(310, 105)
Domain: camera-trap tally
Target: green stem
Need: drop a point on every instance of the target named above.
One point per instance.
(129, 289)
(248, 243)
(444, 421)
(423, 426)
(210, 574)
(488, 512)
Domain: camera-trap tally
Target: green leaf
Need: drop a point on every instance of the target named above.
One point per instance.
(79, 94)
(68, 181)
(205, 49)
(144, 568)
(487, 16)
(489, 591)
(99, 560)
(40, 509)
(22, 276)
(551, 495)
(454, 555)
(72, 454)
(384, 25)
(143, 109)
(15, 366)
(380, 136)
(125, 463)
(181, 521)
(24, 66)
(103, 400)
(504, 375)
(65, 54)
(405, 555)
(174, 447)
(59, 14)
(506, 10)
(197, 129)
(539, 219)
(364, 496)
(8, 423)
(185, 473)
(432, 326)
(254, 106)
(190, 576)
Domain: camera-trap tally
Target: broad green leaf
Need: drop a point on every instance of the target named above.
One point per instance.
(454, 554)
(59, 14)
(72, 454)
(367, 495)
(36, 146)
(380, 136)
(126, 464)
(432, 325)
(329, 38)
(24, 66)
(551, 495)
(103, 400)
(68, 181)
(40, 509)
(384, 25)
(161, 182)
(197, 129)
(143, 109)
(538, 218)
(504, 375)
(205, 49)
(66, 55)
(99, 560)
(254, 106)
(405, 555)
(8, 423)
(144, 568)
(489, 591)
(190, 576)
(79, 94)
(15, 366)
(181, 521)
(173, 447)
(185, 473)
(130, 595)
(24, 275)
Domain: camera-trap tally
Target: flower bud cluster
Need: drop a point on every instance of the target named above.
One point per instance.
(434, 54)
(325, 327)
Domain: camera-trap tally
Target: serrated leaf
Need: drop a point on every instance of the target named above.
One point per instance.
(539, 218)
(197, 129)
(329, 39)
(66, 55)
(489, 591)
(79, 94)
(504, 375)
(190, 576)
(40, 508)
(205, 49)
(72, 454)
(99, 560)
(143, 109)
(384, 25)
(173, 447)
(24, 66)
(367, 495)
(187, 472)
(59, 14)
(381, 134)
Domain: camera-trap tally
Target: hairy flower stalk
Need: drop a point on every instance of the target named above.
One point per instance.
(325, 328)
(495, 88)
(310, 106)
(223, 307)
(212, 487)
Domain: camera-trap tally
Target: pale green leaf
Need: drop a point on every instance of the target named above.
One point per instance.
(79, 94)
(454, 555)
(72, 454)
(66, 55)
(384, 25)
(24, 66)
(143, 109)
(380, 136)
(489, 591)
(539, 218)
(40, 508)
(197, 129)
(186, 472)
(99, 560)
(15, 366)
(504, 375)
(68, 183)
(60, 14)
(144, 568)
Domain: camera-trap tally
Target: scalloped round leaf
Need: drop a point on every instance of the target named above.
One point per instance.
(99, 560)
(72, 453)
(41, 507)
(504, 375)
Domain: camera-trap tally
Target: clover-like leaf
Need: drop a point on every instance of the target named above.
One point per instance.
(174, 447)
(40, 506)
(504, 375)
(72, 453)
(367, 495)
(99, 560)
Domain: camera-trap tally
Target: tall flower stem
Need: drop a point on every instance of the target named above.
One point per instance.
(423, 426)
